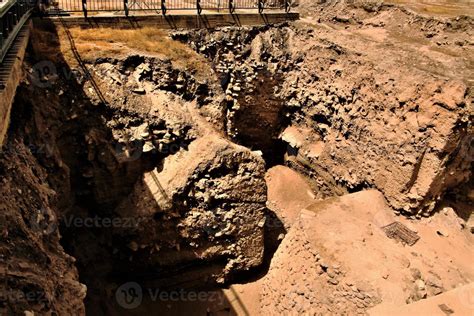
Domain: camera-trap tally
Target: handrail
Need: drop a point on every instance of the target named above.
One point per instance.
(7, 6)
(13, 16)
(128, 7)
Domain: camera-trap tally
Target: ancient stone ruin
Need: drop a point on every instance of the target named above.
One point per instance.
(315, 167)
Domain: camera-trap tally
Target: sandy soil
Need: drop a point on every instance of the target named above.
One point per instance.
(288, 192)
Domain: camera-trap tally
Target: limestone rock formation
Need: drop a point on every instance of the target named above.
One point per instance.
(364, 120)
(210, 202)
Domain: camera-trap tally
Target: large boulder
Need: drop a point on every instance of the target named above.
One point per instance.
(204, 203)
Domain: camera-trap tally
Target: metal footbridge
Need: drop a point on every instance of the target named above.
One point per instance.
(129, 7)
(13, 15)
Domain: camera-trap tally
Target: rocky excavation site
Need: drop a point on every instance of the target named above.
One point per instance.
(316, 167)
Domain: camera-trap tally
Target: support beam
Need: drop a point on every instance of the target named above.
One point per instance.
(187, 21)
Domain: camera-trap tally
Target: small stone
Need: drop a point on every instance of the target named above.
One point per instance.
(447, 210)
(434, 283)
(147, 147)
(420, 285)
(319, 270)
(331, 273)
(157, 132)
(333, 281)
(258, 153)
(415, 273)
(442, 233)
(139, 91)
(88, 173)
(133, 246)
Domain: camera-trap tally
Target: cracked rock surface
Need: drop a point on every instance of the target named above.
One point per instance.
(356, 117)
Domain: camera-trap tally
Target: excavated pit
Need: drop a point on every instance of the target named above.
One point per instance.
(147, 192)
(150, 174)
(260, 118)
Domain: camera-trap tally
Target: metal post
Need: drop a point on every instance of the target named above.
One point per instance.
(16, 16)
(18, 13)
(231, 6)
(198, 7)
(163, 7)
(10, 23)
(84, 8)
(125, 7)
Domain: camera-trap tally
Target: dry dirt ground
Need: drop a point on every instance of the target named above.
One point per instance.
(245, 171)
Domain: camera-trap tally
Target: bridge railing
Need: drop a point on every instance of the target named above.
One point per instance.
(91, 7)
(13, 15)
